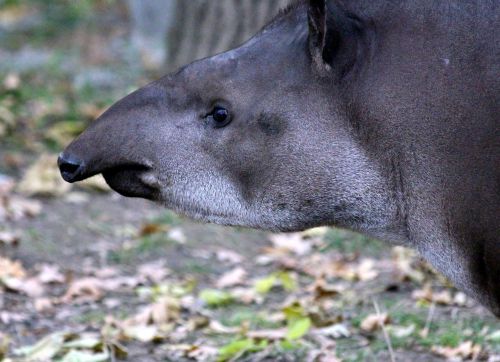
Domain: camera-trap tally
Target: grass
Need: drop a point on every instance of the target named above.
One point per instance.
(142, 247)
(238, 315)
(349, 242)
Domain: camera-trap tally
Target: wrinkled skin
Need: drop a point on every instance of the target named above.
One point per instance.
(374, 117)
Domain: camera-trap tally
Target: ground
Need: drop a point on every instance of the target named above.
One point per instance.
(87, 275)
(131, 254)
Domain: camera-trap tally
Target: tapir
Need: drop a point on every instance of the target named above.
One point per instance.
(380, 116)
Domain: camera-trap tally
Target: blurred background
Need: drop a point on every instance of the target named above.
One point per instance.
(87, 275)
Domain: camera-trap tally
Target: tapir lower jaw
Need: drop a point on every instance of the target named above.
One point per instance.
(130, 182)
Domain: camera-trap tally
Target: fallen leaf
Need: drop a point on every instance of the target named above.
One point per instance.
(154, 272)
(83, 356)
(401, 332)
(152, 228)
(43, 305)
(216, 298)
(443, 297)
(43, 178)
(142, 333)
(404, 259)
(9, 238)
(365, 270)
(31, 287)
(374, 321)
(292, 242)
(217, 327)
(4, 345)
(11, 269)
(466, 350)
(247, 295)
(177, 235)
(233, 277)
(238, 347)
(228, 256)
(83, 290)
(164, 311)
(298, 328)
(50, 274)
(321, 289)
(268, 334)
(334, 331)
(264, 285)
(43, 350)
(11, 81)
(19, 208)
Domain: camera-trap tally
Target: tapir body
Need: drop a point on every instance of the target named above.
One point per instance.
(374, 115)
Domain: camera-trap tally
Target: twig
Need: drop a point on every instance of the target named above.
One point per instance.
(384, 331)
(430, 315)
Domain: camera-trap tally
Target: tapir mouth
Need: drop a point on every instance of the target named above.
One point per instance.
(128, 180)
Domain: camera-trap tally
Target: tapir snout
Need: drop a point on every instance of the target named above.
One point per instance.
(111, 146)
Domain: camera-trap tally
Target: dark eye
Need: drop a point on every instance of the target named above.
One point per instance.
(220, 117)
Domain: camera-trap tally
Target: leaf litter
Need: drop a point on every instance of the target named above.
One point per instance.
(186, 320)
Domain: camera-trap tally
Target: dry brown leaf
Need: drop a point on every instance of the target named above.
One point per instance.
(466, 350)
(321, 289)
(247, 295)
(232, 278)
(9, 238)
(291, 242)
(404, 259)
(43, 305)
(268, 334)
(83, 290)
(31, 287)
(177, 235)
(443, 297)
(196, 352)
(164, 311)
(43, 178)
(7, 318)
(50, 274)
(11, 269)
(229, 256)
(374, 321)
(4, 345)
(19, 207)
(11, 81)
(150, 229)
(218, 327)
(365, 271)
(154, 272)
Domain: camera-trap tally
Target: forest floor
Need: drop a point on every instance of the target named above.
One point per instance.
(93, 276)
(87, 275)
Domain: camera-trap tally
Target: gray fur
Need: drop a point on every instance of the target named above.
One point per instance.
(386, 124)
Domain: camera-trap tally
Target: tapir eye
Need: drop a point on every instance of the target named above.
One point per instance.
(219, 117)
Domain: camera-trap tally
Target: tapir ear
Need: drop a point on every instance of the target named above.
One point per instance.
(329, 28)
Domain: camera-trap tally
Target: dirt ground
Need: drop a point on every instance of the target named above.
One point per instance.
(99, 234)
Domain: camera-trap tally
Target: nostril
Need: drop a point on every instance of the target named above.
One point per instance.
(70, 167)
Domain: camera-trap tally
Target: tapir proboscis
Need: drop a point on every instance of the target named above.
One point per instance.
(374, 115)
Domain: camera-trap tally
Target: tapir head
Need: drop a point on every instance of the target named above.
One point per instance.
(257, 136)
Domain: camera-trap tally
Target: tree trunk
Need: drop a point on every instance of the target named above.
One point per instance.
(171, 33)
